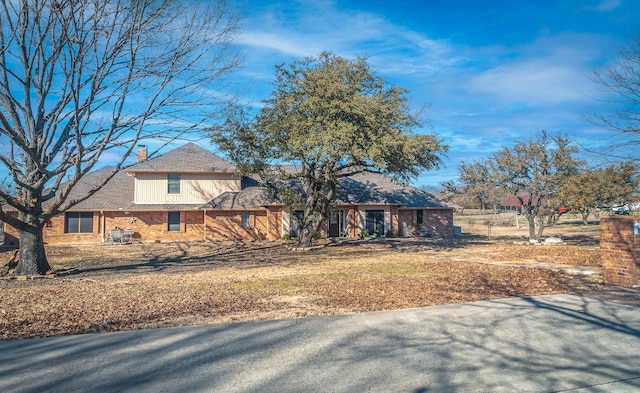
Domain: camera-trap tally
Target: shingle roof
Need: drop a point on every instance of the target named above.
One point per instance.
(376, 188)
(118, 193)
(187, 158)
(248, 198)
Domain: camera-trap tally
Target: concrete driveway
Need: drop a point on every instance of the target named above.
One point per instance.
(554, 343)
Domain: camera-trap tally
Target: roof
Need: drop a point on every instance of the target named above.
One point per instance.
(118, 194)
(187, 158)
(513, 200)
(248, 198)
(377, 188)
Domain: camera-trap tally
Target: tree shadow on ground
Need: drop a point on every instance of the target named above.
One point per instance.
(546, 343)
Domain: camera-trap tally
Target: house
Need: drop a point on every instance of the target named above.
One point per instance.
(191, 194)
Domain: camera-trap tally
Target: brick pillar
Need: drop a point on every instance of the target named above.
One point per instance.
(619, 251)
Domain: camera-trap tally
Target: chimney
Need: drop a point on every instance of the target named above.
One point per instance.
(142, 153)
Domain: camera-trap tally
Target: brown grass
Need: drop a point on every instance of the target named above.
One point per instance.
(121, 287)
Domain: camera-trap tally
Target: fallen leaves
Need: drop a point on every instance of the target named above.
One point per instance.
(215, 283)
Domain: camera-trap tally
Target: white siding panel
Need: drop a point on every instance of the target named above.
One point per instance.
(151, 188)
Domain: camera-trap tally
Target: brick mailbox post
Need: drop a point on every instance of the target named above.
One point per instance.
(620, 250)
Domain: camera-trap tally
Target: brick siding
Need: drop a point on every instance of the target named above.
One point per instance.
(212, 225)
(619, 251)
(436, 222)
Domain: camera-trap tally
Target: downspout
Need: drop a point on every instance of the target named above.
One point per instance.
(104, 225)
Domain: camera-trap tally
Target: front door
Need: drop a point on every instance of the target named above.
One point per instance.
(335, 223)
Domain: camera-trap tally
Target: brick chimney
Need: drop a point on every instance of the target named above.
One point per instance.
(142, 153)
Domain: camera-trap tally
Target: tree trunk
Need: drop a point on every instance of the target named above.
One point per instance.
(532, 227)
(305, 237)
(585, 218)
(33, 259)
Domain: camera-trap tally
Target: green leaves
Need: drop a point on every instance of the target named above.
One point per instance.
(533, 171)
(333, 117)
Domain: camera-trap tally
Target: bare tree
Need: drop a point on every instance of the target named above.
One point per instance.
(619, 85)
(80, 78)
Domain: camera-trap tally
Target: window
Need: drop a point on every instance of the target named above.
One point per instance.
(173, 183)
(174, 221)
(420, 216)
(245, 219)
(374, 221)
(78, 222)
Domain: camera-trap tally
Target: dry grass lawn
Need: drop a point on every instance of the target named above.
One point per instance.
(121, 287)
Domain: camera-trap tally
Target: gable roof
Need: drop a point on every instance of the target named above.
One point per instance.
(187, 158)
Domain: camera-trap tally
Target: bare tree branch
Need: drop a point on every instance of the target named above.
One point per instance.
(79, 78)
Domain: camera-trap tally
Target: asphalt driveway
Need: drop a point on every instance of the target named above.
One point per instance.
(555, 343)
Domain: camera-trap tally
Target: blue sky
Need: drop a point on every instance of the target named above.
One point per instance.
(493, 72)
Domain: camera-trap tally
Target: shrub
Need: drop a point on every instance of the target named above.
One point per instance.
(365, 233)
(389, 233)
(286, 236)
(316, 236)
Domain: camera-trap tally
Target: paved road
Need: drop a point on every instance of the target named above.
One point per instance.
(554, 343)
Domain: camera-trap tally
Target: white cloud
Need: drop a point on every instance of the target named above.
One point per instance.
(282, 43)
(604, 6)
(545, 72)
(392, 49)
(536, 82)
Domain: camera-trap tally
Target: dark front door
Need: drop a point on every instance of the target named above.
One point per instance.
(335, 221)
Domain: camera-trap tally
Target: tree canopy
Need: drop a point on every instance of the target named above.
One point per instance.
(330, 117)
(82, 78)
(533, 171)
(591, 189)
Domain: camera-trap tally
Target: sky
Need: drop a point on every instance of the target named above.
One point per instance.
(491, 73)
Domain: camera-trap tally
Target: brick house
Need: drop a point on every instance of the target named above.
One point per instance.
(191, 194)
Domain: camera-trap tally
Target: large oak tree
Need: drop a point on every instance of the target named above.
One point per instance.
(83, 78)
(329, 117)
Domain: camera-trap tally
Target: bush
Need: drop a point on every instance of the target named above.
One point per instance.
(389, 233)
(286, 236)
(365, 233)
(316, 236)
